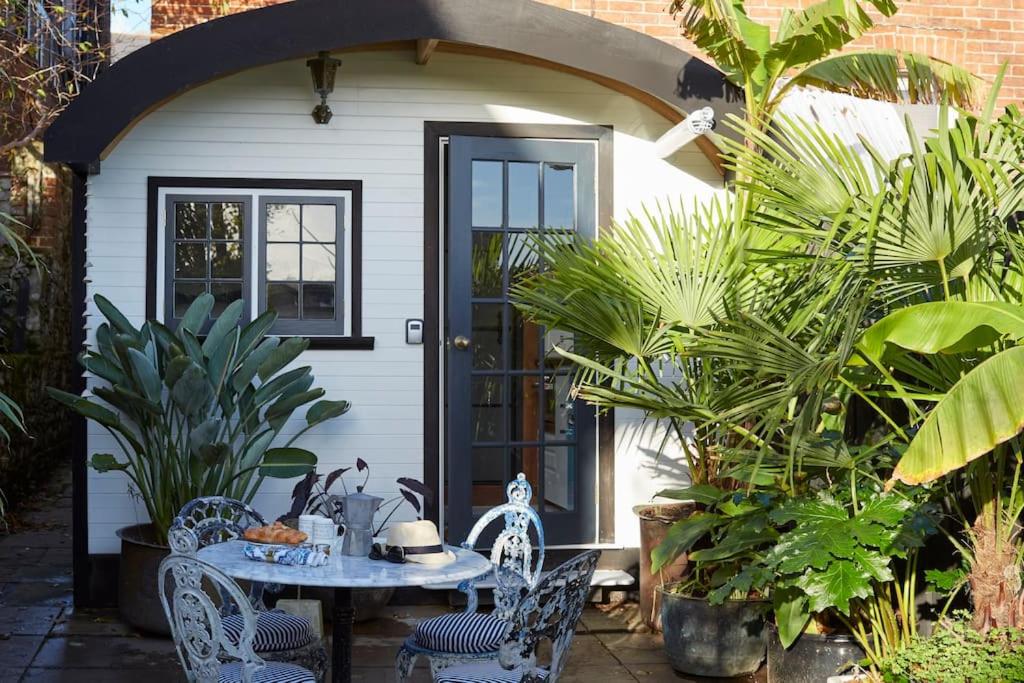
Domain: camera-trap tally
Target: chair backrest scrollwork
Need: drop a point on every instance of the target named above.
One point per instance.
(195, 618)
(551, 612)
(215, 519)
(515, 570)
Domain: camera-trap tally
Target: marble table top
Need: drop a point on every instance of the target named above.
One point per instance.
(343, 571)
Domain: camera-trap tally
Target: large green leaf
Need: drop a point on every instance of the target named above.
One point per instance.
(282, 356)
(944, 327)
(791, 614)
(981, 411)
(286, 463)
(226, 322)
(105, 462)
(197, 314)
(322, 411)
(681, 536)
(85, 407)
(148, 378)
(117, 319)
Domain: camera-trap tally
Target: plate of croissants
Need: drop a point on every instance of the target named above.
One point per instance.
(276, 534)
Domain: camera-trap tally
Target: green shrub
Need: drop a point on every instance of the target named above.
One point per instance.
(956, 653)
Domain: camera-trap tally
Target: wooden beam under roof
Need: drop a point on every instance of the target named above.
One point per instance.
(424, 49)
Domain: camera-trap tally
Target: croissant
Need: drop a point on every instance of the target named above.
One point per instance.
(275, 533)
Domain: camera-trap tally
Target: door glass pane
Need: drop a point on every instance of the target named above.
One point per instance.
(318, 301)
(184, 294)
(490, 474)
(557, 339)
(559, 478)
(319, 223)
(190, 260)
(523, 194)
(559, 196)
(224, 293)
(488, 328)
(559, 408)
(226, 260)
(283, 298)
(487, 194)
(318, 262)
(190, 220)
(522, 257)
(526, 459)
(227, 221)
(486, 264)
(525, 407)
(283, 222)
(488, 408)
(524, 342)
(282, 262)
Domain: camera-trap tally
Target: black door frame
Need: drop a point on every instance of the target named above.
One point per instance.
(433, 241)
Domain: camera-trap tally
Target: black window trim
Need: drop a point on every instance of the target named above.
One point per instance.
(171, 184)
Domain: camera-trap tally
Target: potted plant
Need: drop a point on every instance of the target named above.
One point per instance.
(192, 418)
(313, 496)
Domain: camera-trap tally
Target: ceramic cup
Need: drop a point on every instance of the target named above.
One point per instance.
(306, 526)
(325, 532)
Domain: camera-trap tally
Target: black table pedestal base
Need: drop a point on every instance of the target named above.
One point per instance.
(341, 650)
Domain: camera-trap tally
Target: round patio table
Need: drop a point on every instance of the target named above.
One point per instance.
(344, 573)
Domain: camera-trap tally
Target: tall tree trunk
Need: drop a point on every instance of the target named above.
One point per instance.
(995, 579)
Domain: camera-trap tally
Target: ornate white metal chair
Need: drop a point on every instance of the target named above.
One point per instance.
(280, 637)
(474, 636)
(207, 652)
(548, 612)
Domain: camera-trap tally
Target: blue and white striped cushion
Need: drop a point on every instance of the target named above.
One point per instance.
(461, 633)
(483, 672)
(275, 630)
(273, 672)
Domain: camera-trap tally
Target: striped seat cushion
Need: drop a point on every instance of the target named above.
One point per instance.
(461, 633)
(275, 630)
(273, 672)
(483, 672)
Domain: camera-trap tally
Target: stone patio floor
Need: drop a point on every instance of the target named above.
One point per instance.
(44, 639)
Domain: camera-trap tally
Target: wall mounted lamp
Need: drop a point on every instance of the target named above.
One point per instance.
(323, 67)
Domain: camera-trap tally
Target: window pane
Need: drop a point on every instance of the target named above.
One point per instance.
(560, 408)
(227, 222)
(559, 196)
(523, 194)
(486, 268)
(487, 195)
(318, 262)
(282, 262)
(283, 298)
(319, 223)
(489, 467)
(488, 409)
(190, 219)
(282, 222)
(318, 302)
(524, 340)
(525, 407)
(224, 293)
(559, 478)
(522, 258)
(487, 336)
(189, 260)
(226, 259)
(184, 294)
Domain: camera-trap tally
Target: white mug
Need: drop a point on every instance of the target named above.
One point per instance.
(324, 531)
(306, 523)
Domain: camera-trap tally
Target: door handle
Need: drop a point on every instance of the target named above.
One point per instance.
(461, 343)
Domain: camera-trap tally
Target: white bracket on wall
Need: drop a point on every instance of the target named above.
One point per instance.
(686, 131)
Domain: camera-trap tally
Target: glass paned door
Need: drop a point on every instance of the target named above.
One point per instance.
(509, 405)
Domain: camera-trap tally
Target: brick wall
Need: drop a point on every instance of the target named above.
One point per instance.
(977, 34)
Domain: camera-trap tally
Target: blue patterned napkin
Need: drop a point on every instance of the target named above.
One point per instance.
(301, 555)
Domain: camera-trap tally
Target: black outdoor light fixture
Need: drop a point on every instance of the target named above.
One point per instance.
(323, 67)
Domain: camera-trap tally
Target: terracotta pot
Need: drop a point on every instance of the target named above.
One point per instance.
(138, 599)
(655, 521)
(713, 640)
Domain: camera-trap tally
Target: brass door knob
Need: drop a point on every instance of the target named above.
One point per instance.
(461, 343)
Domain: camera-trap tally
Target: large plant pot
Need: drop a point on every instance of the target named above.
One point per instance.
(702, 639)
(138, 599)
(812, 658)
(655, 521)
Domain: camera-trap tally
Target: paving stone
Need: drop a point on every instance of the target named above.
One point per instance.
(21, 621)
(53, 592)
(659, 673)
(617, 618)
(92, 622)
(107, 652)
(16, 652)
(634, 648)
(36, 675)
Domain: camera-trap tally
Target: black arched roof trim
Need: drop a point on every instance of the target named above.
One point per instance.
(177, 63)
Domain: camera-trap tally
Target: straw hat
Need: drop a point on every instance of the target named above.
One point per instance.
(420, 541)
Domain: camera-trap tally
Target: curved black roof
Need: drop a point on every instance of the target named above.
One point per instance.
(173, 65)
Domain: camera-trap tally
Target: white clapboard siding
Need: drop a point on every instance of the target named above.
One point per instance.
(257, 124)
